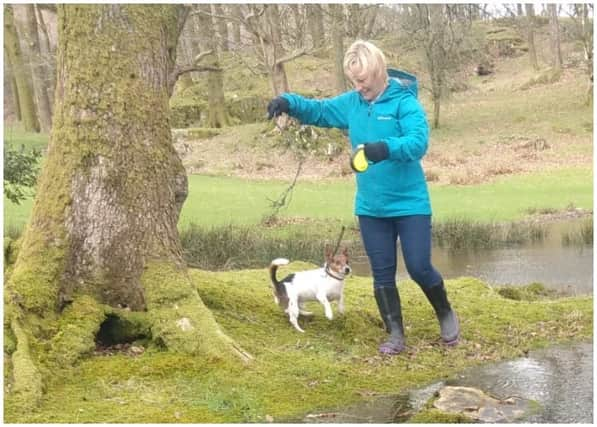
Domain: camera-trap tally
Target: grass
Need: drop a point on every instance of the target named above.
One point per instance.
(584, 236)
(15, 135)
(221, 201)
(335, 363)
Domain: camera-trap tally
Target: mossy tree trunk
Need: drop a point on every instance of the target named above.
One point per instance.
(20, 73)
(103, 234)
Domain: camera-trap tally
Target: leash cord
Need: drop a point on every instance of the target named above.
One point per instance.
(339, 240)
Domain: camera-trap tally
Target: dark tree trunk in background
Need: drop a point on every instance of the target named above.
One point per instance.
(530, 11)
(336, 11)
(14, 95)
(315, 24)
(48, 56)
(102, 233)
(20, 72)
(554, 34)
(217, 115)
(222, 27)
(37, 69)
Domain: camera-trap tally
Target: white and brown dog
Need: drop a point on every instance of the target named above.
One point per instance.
(323, 284)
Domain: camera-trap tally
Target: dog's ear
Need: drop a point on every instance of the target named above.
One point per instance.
(345, 251)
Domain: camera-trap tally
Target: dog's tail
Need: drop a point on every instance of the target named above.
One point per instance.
(280, 295)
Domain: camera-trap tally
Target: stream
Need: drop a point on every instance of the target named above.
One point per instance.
(558, 381)
(566, 269)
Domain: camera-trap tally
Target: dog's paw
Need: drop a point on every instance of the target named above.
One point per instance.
(329, 315)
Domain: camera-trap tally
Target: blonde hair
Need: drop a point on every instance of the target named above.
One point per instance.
(364, 58)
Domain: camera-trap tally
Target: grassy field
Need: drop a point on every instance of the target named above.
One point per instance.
(219, 200)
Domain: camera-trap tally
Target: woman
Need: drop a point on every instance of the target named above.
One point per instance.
(392, 200)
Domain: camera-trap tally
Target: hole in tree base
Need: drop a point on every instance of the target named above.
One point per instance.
(119, 335)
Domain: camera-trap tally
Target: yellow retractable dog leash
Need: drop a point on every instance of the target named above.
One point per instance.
(358, 160)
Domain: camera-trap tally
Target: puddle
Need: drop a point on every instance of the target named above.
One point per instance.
(558, 379)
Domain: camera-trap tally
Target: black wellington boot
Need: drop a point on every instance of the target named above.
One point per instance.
(388, 302)
(448, 322)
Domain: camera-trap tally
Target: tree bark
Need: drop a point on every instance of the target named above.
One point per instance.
(530, 11)
(217, 115)
(14, 93)
(48, 56)
(315, 23)
(21, 75)
(554, 34)
(336, 11)
(37, 69)
(222, 27)
(102, 235)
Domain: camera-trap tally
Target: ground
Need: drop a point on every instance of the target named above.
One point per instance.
(500, 125)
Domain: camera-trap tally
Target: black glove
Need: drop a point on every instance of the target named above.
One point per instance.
(377, 151)
(276, 107)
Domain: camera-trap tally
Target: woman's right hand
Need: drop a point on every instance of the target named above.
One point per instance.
(276, 107)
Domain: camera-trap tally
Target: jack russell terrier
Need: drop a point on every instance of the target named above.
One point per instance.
(323, 284)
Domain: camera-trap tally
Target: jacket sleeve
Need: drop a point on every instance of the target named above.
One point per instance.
(413, 143)
(329, 113)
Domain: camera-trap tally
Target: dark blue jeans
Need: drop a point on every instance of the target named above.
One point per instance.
(380, 238)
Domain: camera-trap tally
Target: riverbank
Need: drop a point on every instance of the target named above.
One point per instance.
(335, 363)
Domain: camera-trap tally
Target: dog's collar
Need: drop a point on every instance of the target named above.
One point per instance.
(329, 273)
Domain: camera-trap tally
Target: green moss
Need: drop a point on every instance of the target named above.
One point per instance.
(531, 292)
(27, 382)
(331, 365)
(179, 318)
(77, 328)
(202, 133)
(34, 280)
(434, 416)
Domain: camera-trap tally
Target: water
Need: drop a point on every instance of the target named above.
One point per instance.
(566, 269)
(559, 379)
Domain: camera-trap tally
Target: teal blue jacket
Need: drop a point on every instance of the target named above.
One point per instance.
(392, 187)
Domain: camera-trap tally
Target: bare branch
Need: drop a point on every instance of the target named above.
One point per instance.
(296, 54)
(202, 55)
(179, 71)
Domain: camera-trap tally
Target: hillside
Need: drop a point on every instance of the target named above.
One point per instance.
(510, 122)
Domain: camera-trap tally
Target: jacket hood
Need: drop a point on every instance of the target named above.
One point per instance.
(406, 81)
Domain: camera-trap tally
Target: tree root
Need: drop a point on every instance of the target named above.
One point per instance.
(27, 385)
(180, 319)
(78, 325)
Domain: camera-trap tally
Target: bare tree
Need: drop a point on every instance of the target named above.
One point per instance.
(554, 34)
(583, 31)
(217, 115)
(315, 24)
(222, 28)
(36, 64)
(13, 95)
(102, 239)
(48, 54)
(21, 72)
(337, 14)
(438, 29)
(530, 15)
